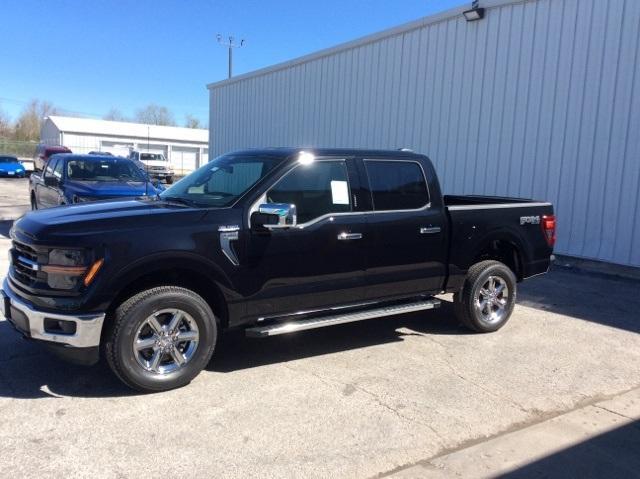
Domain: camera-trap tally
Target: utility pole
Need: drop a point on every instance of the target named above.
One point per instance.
(230, 44)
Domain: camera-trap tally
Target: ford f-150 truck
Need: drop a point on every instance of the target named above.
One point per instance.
(69, 178)
(272, 241)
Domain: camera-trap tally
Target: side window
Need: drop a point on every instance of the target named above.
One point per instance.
(316, 189)
(48, 171)
(397, 185)
(58, 169)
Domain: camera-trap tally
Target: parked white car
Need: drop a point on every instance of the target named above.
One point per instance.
(155, 164)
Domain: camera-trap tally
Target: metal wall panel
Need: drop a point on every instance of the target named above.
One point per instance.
(539, 99)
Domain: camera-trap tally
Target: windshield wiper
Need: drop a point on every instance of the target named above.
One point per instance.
(179, 199)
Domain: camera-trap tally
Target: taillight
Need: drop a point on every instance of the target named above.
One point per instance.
(549, 229)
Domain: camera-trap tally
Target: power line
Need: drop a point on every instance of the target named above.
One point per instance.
(60, 109)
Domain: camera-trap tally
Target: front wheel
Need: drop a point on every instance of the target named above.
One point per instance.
(486, 300)
(34, 203)
(169, 180)
(161, 338)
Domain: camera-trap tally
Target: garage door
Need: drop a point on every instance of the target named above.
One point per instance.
(116, 148)
(152, 148)
(184, 159)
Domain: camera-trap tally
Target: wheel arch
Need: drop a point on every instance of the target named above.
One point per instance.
(505, 247)
(171, 270)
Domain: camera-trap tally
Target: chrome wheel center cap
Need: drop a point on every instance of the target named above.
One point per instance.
(165, 343)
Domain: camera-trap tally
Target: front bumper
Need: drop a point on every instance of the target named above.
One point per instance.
(31, 322)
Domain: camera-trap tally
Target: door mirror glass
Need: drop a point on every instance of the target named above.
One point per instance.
(51, 181)
(275, 216)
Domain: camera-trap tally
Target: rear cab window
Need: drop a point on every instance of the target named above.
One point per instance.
(397, 185)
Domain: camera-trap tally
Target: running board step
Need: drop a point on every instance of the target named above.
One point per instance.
(321, 322)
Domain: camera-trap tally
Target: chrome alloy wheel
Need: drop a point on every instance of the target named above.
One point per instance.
(166, 341)
(492, 300)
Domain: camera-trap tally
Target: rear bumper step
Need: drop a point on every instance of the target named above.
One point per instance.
(321, 322)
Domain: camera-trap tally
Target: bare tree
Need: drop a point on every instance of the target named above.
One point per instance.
(114, 115)
(6, 129)
(154, 114)
(28, 124)
(192, 122)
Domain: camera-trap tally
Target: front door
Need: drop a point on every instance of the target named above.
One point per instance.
(406, 248)
(49, 196)
(319, 263)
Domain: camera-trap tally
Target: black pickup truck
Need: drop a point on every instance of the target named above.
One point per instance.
(272, 241)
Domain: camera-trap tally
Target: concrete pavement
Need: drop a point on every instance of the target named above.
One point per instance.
(358, 400)
(598, 440)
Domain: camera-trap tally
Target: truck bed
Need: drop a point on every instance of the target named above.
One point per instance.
(484, 201)
(478, 223)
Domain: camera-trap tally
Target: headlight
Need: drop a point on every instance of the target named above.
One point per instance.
(66, 257)
(65, 268)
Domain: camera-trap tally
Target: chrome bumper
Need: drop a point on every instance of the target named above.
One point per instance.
(88, 326)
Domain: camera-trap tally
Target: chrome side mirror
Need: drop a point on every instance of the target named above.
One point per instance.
(275, 216)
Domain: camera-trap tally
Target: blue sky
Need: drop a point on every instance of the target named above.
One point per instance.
(90, 56)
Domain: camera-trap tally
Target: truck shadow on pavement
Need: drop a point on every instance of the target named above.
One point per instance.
(5, 226)
(594, 297)
(28, 371)
(236, 352)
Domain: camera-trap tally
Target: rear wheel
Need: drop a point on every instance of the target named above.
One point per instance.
(34, 203)
(161, 338)
(486, 300)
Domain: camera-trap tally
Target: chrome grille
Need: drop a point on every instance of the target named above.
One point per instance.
(25, 263)
(26, 251)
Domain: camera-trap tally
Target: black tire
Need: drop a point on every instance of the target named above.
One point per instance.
(169, 180)
(34, 203)
(130, 316)
(464, 302)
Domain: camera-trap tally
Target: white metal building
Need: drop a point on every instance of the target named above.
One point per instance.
(541, 99)
(186, 148)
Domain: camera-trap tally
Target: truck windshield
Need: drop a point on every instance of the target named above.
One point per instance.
(8, 159)
(152, 157)
(103, 170)
(222, 181)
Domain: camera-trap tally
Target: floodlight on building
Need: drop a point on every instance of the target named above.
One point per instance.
(476, 12)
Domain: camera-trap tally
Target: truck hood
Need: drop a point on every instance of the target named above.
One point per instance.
(110, 188)
(71, 224)
(166, 164)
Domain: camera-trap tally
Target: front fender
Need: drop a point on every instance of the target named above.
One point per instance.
(171, 260)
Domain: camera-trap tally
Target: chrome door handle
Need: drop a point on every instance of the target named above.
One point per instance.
(430, 230)
(349, 236)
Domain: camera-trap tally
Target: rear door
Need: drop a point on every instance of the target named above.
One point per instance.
(319, 263)
(406, 248)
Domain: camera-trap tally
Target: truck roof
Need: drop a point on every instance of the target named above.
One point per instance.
(290, 151)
